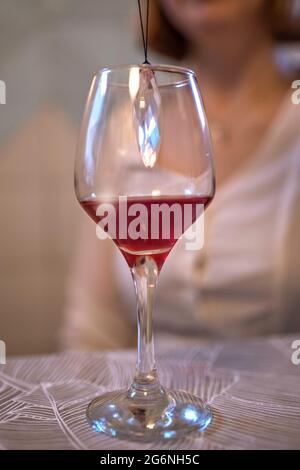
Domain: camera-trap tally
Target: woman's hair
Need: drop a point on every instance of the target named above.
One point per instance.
(165, 39)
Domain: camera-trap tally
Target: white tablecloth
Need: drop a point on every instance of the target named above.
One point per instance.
(252, 386)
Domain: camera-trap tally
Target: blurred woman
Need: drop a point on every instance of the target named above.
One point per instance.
(245, 280)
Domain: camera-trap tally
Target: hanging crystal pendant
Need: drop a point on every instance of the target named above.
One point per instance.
(146, 110)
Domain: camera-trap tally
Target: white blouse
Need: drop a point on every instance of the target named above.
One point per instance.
(246, 279)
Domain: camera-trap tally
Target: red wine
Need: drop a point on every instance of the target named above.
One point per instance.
(149, 229)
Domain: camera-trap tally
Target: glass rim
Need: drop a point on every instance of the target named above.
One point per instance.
(156, 67)
(184, 75)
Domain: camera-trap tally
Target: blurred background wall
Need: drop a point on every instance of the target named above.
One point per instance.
(49, 51)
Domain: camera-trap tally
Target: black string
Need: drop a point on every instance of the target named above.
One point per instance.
(147, 29)
(144, 37)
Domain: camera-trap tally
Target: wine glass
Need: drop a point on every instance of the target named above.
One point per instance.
(144, 153)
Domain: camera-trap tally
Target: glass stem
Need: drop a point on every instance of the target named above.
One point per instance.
(146, 386)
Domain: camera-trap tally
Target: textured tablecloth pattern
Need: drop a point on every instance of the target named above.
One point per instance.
(252, 386)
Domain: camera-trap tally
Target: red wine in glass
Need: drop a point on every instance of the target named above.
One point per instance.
(157, 247)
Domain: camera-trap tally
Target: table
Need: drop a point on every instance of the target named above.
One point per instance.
(253, 388)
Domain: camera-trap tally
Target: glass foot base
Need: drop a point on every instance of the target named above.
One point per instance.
(118, 415)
